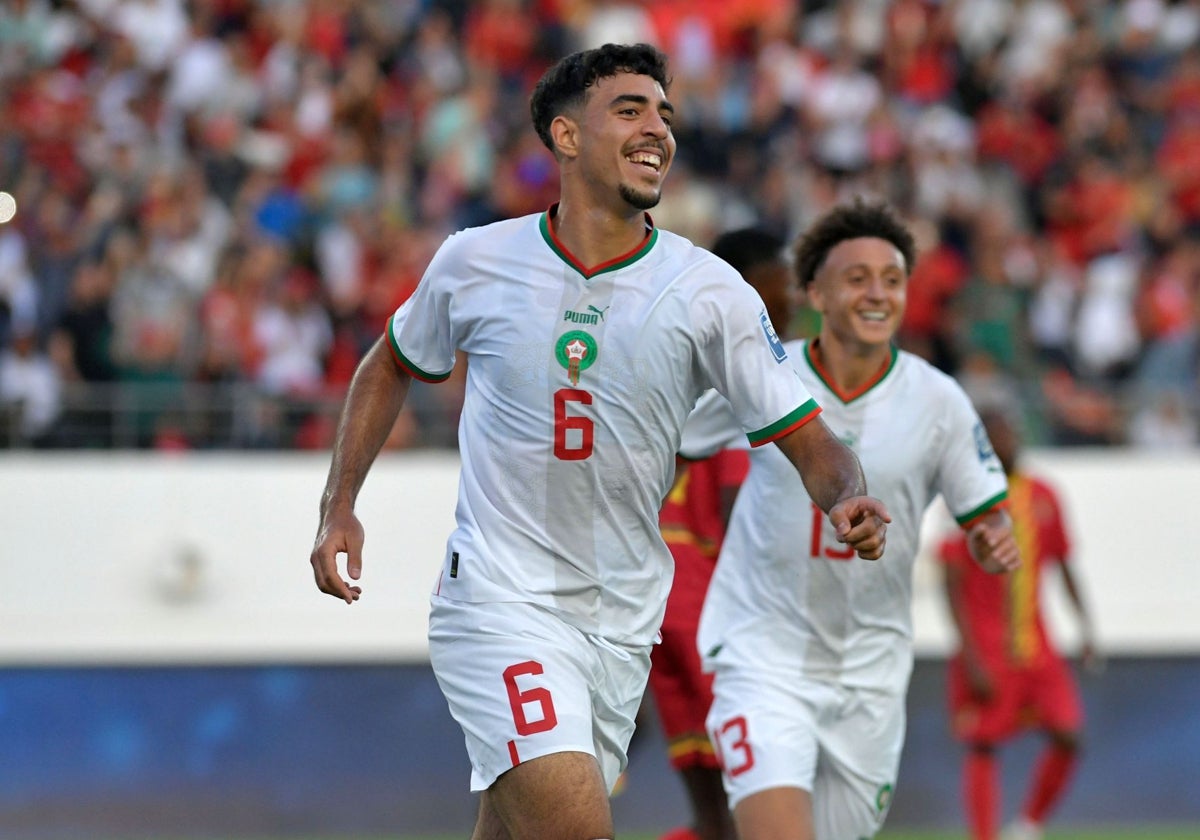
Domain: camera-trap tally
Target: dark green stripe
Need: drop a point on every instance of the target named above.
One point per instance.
(412, 368)
(778, 426)
(983, 508)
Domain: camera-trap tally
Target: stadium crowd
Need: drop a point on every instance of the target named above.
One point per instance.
(232, 196)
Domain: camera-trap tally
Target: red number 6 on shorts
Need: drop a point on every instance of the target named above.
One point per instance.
(518, 699)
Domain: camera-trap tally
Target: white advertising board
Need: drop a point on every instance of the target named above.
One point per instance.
(147, 558)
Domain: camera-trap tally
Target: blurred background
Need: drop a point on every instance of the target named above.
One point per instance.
(209, 208)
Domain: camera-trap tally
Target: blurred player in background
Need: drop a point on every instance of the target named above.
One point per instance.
(693, 521)
(1006, 675)
(589, 335)
(812, 648)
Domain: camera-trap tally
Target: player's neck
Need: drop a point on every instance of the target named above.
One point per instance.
(594, 234)
(850, 367)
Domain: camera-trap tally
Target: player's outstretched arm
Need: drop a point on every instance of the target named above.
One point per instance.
(992, 543)
(834, 480)
(1090, 656)
(375, 397)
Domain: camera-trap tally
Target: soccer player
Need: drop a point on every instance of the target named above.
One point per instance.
(589, 335)
(1006, 675)
(811, 648)
(693, 521)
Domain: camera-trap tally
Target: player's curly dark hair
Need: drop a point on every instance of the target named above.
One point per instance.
(851, 221)
(564, 85)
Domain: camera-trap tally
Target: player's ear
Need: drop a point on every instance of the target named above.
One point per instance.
(564, 131)
(811, 294)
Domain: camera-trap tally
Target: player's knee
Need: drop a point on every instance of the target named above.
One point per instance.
(1067, 740)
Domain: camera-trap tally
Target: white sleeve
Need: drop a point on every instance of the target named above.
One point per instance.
(711, 427)
(420, 332)
(745, 360)
(970, 476)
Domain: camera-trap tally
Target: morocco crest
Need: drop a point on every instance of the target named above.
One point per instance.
(575, 351)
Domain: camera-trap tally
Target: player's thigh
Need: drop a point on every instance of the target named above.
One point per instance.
(553, 797)
(518, 681)
(859, 759)
(983, 722)
(764, 733)
(1055, 698)
(779, 813)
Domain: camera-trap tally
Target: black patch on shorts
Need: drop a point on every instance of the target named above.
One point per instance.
(454, 564)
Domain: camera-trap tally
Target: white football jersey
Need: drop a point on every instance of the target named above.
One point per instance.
(786, 595)
(578, 385)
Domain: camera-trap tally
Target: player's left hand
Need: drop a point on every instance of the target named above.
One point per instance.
(861, 523)
(1091, 659)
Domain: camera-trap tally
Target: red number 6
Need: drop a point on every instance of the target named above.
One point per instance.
(564, 424)
(519, 699)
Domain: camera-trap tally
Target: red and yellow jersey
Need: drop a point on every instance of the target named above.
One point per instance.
(693, 528)
(1003, 612)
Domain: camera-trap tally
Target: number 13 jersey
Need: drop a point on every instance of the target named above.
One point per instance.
(786, 596)
(578, 384)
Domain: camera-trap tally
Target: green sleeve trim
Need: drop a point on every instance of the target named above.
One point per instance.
(412, 369)
(794, 420)
(993, 502)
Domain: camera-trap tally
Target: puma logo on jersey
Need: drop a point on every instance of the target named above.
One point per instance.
(595, 316)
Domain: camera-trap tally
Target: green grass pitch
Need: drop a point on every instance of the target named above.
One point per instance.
(1182, 833)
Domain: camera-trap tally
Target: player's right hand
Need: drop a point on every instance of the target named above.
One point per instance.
(861, 523)
(341, 533)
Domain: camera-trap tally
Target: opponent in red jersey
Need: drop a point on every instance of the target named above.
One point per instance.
(693, 521)
(1007, 675)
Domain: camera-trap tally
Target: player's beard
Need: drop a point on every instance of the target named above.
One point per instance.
(640, 200)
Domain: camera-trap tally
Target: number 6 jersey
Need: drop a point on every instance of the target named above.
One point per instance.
(578, 384)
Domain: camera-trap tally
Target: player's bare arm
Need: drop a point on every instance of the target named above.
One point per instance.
(834, 479)
(1089, 653)
(375, 397)
(992, 543)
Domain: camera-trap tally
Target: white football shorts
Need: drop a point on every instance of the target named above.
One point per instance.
(522, 683)
(842, 745)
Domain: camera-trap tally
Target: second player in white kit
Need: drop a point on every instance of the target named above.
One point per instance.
(811, 646)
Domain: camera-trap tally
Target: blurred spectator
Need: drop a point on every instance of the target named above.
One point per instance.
(1166, 421)
(30, 387)
(87, 326)
(936, 280)
(18, 293)
(293, 334)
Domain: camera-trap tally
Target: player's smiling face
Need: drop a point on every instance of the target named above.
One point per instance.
(860, 291)
(627, 142)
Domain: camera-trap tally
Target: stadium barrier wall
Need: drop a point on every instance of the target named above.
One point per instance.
(203, 558)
